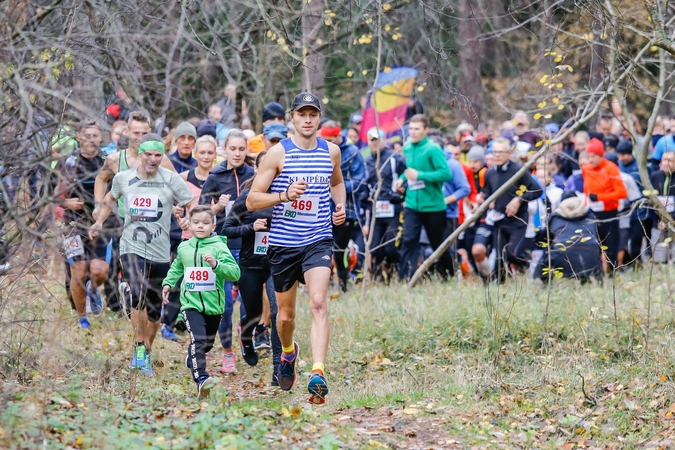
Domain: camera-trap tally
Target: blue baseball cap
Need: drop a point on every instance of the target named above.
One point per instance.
(275, 130)
(552, 128)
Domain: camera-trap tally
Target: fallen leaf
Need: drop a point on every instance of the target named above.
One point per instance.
(410, 411)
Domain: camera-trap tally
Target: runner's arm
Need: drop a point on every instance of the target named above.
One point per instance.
(175, 272)
(106, 208)
(270, 167)
(337, 184)
(104, 176)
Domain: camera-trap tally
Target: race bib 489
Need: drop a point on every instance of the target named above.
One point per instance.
(200, 279)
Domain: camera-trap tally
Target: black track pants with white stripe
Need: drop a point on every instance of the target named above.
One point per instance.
(202, 330)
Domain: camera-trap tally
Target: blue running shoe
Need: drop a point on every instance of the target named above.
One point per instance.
(287, 375)
(139, 359)
(95, 302)
(83, 323)
(169, 335)
(317, 388)
(147, 367)
(204, 386)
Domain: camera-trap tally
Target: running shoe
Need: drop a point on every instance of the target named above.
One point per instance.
(83, 323)
(169, 335)
(248, 352)
(287, 375)
(317, 388)
(95, 302)
(275, 379)
(139, 359)
(229, 363)
(204, 386)
(262, 338)
(147, 367)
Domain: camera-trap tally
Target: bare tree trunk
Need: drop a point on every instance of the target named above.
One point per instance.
(469, 55)
(314, 71)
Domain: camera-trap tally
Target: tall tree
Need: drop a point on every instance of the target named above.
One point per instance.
(470, 53)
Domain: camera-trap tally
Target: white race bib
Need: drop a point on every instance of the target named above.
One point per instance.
(493, 216)
(303, 209)
(144, 206)
(416, 185)
(668, 201)
(596, 206)
(200, 279)
(384, 209)
(73, 246)
(261, 242)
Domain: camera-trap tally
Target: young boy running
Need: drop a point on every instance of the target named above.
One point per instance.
(205, 263)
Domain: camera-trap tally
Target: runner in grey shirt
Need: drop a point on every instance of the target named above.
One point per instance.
(149, 192)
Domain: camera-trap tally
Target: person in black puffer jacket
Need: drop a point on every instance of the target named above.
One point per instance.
(573, 242)
(253, 229)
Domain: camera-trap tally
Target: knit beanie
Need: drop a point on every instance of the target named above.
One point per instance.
(596, 147)
(273, 110)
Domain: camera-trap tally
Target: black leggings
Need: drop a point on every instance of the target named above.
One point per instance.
(341, 236)
(608, 233)
(251, 291)
(639, 230)
(202, 330)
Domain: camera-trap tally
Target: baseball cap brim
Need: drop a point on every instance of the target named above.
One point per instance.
(302, 105)
(274, 135)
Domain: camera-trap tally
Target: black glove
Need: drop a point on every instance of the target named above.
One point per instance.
(593, 197)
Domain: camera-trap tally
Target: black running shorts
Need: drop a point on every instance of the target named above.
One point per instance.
(483, 235)
(145, 279)
(289, 264)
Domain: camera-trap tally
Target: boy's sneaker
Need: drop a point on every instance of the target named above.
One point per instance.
(262, 338)
(95, 302)
(169, 335)
(317, 388)
(287, 375)
(83, 323)
(147, 368)
(138, 361)
(275, 379)
(204, 386)
(248, 352)
(229, 363)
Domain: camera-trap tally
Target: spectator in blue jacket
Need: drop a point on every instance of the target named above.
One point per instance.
(354, 174)
(455, 190)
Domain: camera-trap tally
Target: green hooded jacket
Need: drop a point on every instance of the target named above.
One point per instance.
(428, 159)
(191, 254)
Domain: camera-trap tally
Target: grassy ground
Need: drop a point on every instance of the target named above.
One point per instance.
(443, 366)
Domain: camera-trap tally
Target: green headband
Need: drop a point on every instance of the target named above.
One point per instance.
(151, 145)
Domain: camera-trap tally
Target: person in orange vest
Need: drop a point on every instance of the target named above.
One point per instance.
(272, 112)
(603, 189)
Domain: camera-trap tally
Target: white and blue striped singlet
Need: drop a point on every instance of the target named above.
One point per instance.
(292, 223)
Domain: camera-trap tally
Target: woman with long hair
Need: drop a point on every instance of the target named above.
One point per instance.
(253, 229)
(220, 190)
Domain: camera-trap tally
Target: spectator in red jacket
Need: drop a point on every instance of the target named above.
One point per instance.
(603, 189)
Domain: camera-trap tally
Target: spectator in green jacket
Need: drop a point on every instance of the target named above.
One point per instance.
(424, 198)
(205, 263)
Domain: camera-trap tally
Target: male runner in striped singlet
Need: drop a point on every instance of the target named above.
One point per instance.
(298, 178)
